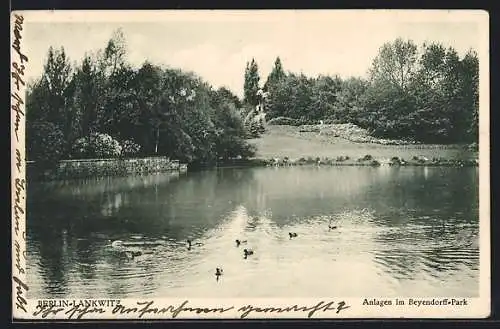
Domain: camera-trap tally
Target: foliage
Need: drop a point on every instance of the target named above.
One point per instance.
(153, 110)
(428, 95)
(275, 77)
(253, 122)
(251, 84)
(44, 142)
(97, 145)
(130, 148)
(395, 64)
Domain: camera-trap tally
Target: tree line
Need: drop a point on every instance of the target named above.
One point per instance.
(102, 107)
(426, 94)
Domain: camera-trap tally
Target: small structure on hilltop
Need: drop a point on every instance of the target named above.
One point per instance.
(260, 114)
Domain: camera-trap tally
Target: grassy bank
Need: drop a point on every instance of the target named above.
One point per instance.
(295, 143)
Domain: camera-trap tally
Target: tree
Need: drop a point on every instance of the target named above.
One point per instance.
(44, 143)
(89, 92)
(148, 92)
(349, 102)
(324, 91)
(230, 96)
(470, 65)
(251, 84)
(395, 64)
(449, 86)
(277, 75)
(50, 98)
(114, 56)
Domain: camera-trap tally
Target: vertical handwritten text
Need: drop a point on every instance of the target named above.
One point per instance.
(18, 69)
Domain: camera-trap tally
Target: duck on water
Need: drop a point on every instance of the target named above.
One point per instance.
(123, 248)
(218, 273)
(191, 244)
(238, 242)
(247, 252)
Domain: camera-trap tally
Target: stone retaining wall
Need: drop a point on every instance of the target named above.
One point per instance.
(83, 168)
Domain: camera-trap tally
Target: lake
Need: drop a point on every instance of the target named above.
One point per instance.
(407, 231)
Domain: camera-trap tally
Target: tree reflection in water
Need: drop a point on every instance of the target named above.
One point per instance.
(396, 227)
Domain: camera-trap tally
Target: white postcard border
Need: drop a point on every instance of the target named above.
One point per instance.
(186, 308)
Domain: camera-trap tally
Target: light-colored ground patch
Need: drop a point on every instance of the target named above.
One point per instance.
(281, 141)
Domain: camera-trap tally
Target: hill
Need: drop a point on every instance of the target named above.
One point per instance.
(345, 140)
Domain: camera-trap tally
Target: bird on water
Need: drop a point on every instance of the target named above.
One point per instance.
(191, 243)
(247, 252)
(218, 273)
(120, 246)
(238, 242)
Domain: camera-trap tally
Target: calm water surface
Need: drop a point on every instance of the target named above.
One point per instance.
(400, 231)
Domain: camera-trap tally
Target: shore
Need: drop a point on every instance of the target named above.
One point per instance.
(367, 160)
(283, 146)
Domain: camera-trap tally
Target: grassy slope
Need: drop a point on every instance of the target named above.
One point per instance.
(281, 141)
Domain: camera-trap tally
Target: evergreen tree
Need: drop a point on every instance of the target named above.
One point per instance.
(251, 85)
(277, 75)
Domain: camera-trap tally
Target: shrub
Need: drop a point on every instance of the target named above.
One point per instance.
(130, 148)
(97, 145)
(81, 148)
(45, 143)
(255, 128)
(104, 146)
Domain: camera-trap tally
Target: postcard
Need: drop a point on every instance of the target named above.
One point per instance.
(250, 164)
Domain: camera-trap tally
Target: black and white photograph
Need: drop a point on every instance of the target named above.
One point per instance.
(252, 155)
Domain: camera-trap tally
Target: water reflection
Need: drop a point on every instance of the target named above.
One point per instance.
(400, 231)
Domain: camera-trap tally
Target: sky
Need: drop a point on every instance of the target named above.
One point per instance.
(217, 44)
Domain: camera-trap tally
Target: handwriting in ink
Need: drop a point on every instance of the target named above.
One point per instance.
(16, 44)
(17, 73)
(147, 307)
(20, 289)
(78, 312)
(18, 160)
(16, 107)
(321, 306)
(46, 310)
(18, 210)
(17, 247)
